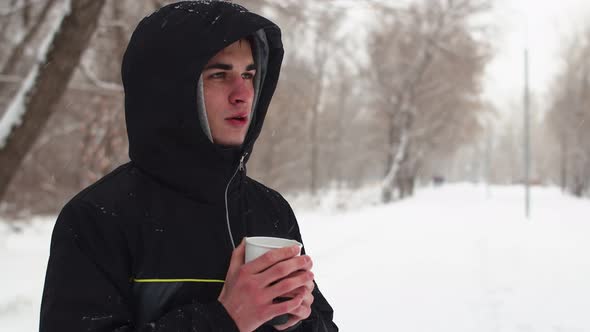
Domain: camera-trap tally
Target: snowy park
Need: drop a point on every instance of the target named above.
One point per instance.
(457, 258)
(436, 154)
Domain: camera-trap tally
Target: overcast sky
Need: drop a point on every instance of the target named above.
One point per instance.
(551, 23)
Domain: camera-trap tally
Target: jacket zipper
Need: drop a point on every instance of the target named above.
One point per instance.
(240, 168)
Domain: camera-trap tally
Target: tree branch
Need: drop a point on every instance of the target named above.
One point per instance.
(91, 76)
(18, 7)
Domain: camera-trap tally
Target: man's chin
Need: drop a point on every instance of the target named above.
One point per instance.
(229, 143)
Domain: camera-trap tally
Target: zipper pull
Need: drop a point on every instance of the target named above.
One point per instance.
(241, 167)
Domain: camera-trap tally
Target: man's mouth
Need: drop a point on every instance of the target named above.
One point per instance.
(238, 120)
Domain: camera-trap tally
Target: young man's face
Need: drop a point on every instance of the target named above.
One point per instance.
(228, 88)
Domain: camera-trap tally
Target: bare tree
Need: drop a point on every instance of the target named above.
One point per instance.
(18, 62)
(412, 42)
(569, 117)
(334, 121)
(69, 42)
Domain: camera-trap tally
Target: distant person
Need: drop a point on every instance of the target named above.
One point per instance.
(438, 180)
(156, 245)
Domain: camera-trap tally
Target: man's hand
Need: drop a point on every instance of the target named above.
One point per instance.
(250, 288)
(303, 311)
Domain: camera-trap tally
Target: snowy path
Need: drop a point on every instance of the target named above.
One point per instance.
(452, 260)
(447, 260)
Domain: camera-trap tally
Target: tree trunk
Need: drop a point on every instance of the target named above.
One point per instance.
(563, 162)
(315, 142)
(15, 64)
(63, 57)
(315, 118)
(405, 109)
(400, 152)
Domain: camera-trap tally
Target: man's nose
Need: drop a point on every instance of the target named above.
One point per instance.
(242, 91)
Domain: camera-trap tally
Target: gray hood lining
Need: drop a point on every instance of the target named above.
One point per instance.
(201, 110)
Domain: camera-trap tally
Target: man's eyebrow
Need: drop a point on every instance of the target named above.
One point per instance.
(224, 66)
(221, 66)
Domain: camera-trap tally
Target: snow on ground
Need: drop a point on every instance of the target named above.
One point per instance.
(450, 259)
(23, 259)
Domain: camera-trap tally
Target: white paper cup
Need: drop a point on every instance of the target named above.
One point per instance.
(257, 246)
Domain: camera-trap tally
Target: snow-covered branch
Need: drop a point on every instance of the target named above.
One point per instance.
(91, 76)
(15, 111)
(115, 24)
(18, 7)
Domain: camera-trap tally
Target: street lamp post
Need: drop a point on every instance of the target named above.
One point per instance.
(527, 150)
(526, 115)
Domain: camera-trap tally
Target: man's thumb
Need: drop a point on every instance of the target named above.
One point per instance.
(237, 257)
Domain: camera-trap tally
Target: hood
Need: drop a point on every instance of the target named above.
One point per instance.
(160, 72)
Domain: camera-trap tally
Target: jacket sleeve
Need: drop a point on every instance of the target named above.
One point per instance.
(87, 285)
(322, 314)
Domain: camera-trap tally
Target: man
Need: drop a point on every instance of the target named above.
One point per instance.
(152, 245)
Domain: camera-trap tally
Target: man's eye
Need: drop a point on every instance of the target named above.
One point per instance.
(217, 75)
(247, 76)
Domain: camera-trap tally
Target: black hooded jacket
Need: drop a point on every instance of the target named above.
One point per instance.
(147, 247)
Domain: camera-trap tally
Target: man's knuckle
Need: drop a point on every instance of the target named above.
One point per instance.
(286, 285)
(282, 270)
(294, 284)
(286, 306)
(269, 258)
(302, 279)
